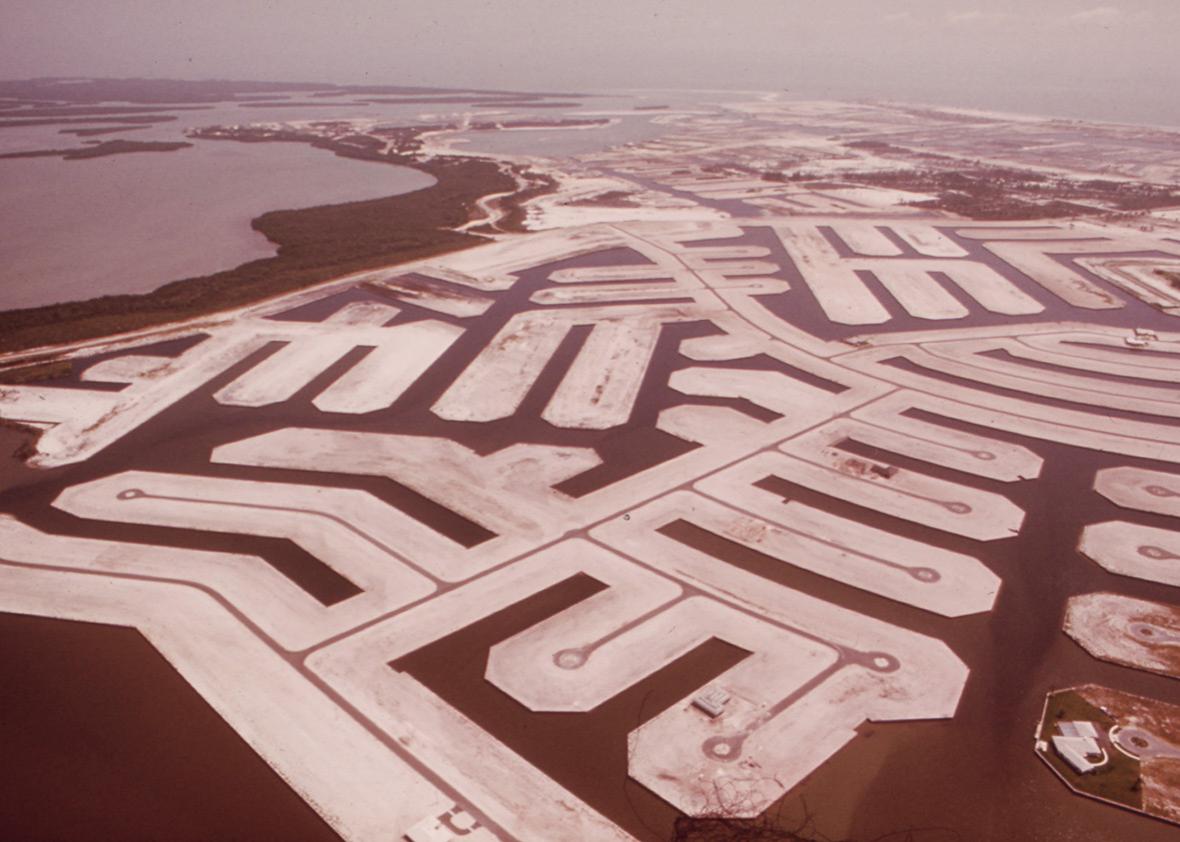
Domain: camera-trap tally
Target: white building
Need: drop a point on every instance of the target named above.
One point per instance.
(1077, 744)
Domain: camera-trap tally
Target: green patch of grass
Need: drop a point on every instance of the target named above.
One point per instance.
(37, 373)
(1118, 780)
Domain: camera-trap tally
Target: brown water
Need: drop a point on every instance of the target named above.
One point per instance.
(971, 778)
(103, 739)
(587, 752)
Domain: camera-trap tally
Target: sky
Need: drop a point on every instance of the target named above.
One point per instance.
(984, 53)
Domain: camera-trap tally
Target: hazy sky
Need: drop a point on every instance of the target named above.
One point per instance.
(895, 48)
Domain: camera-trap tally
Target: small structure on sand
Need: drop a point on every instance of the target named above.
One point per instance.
(1077, 744)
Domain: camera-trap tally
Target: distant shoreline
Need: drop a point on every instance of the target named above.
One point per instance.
(101, 150)
(314, 245)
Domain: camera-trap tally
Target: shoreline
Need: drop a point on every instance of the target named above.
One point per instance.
(314, 245)
(100, 149)
(477, 195)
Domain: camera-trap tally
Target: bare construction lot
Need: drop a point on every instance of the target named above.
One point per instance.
(707, 504)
